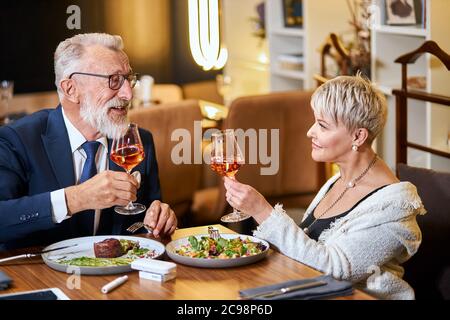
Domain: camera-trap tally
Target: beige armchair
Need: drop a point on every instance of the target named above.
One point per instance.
(202, 90)
(32, 102)
(166, 93)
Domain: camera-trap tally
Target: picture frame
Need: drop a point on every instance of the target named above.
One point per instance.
(400, 12)
(293, 13)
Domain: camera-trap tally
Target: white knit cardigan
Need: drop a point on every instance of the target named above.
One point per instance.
(366, 246)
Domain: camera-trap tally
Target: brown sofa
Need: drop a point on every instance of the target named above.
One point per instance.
(202, 90)
(298, 178)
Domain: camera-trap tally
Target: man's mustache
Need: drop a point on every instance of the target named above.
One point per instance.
(118, 103)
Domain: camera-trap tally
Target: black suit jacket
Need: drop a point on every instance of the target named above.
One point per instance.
(36, 159)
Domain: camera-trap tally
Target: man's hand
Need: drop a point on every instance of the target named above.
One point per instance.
(104, 190)
(161, 218)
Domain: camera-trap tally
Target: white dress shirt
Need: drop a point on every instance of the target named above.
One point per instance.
(76, 139)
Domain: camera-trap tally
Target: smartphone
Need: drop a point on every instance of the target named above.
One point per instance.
(44, 294)
(5, 281)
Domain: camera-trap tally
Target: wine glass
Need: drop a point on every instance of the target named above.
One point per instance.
(127, 151)
(226, 160)
(6, 93)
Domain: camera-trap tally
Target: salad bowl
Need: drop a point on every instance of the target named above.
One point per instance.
(237, 250)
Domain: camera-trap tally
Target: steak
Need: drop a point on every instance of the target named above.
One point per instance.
(108, 248)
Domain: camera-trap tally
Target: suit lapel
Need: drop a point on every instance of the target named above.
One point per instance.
(57, 145)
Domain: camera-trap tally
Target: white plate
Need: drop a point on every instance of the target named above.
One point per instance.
(85, 247)
(214, 263)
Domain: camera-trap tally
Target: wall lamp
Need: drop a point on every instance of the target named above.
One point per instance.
(204, 34)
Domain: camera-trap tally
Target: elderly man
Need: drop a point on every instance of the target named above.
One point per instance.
(46, 191)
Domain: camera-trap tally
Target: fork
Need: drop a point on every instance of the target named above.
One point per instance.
(137, 225)
(213, 233)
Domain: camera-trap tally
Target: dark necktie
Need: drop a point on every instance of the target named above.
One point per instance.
(90, 167)
(85, 219)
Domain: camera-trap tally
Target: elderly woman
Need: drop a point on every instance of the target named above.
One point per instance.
(361, 226)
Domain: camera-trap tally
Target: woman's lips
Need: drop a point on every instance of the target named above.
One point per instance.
(315, 146)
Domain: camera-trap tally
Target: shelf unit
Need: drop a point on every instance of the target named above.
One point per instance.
(291, 32)
(390, 42)
(281, 41)
(247, 69)
(415, 31)
(320, 18)
(295, 75)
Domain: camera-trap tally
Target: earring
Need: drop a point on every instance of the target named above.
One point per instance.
(354, 147)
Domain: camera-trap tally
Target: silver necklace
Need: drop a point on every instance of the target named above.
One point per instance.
(350, 184)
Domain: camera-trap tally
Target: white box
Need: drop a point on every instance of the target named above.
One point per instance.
(154, 266)
(156, 276)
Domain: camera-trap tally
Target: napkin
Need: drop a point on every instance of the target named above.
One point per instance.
(333, 288)
(5, 281)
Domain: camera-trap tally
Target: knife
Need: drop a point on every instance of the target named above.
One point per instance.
(30, 255)
(285, 290)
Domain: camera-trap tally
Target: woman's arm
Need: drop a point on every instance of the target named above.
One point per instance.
(347, 254)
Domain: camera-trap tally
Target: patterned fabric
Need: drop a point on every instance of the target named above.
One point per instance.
(367, 246)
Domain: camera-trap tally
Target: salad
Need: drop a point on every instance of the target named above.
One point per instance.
(209, 248)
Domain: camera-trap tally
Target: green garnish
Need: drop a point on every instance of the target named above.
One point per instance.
(132, 252)
(96, 262)
(194, 242)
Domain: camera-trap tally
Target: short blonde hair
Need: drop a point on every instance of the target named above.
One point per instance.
(354, 101)
(69, 52)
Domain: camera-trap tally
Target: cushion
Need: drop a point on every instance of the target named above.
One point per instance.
(429, 270)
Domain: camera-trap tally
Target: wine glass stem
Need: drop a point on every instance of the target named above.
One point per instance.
(6, 120)
(130, 205)
(236, 212)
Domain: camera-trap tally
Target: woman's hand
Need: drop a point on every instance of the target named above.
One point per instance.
(246, 199)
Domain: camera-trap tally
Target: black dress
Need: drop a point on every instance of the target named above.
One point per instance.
(321, 224)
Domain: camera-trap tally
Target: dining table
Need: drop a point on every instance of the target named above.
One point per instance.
(191, 283)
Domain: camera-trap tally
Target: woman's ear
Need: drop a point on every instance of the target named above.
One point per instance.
(360, 136)
(70, 90)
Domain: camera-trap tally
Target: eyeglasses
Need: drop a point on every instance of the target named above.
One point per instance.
(115, 81)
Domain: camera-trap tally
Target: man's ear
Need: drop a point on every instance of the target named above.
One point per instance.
(70, 90)
(360, 136)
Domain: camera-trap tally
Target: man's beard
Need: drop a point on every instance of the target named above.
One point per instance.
(98, 117)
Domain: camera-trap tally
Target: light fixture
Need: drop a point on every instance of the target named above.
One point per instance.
(204, 34)
(213, 111)
(262, 58)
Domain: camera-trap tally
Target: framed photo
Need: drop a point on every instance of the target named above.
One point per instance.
(293, 13)
(400, 12)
